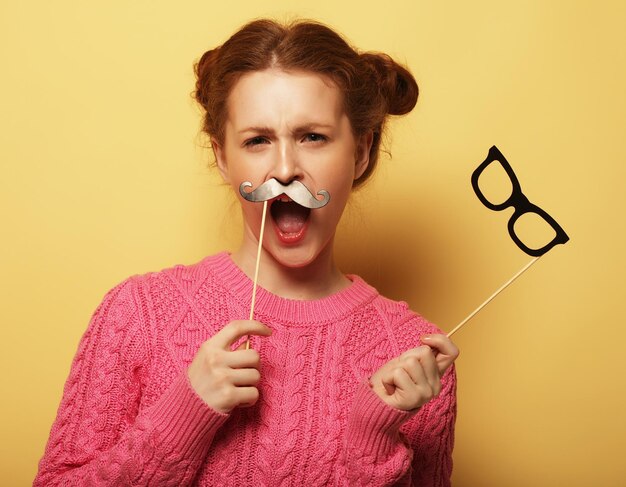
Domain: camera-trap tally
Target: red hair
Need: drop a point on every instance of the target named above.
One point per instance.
(373, 84)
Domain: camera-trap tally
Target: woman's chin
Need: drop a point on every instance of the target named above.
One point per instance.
(293, 258)
(306, 254)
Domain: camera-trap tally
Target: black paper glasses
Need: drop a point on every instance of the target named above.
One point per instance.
(520, 202)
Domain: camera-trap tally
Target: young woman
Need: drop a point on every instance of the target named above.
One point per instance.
(340, 386)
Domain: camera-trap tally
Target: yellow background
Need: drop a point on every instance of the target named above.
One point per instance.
(103, 176)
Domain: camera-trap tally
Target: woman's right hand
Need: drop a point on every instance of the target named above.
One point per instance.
(226, 378)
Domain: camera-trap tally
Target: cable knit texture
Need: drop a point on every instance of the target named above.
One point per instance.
(130, 417)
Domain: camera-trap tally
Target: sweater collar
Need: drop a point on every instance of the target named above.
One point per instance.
(292, 312)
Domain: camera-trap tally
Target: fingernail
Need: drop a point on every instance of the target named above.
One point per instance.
(426, 338)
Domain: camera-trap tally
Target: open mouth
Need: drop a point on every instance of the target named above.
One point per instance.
(290, 219)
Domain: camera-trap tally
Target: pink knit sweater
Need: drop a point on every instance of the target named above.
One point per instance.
(130, 417)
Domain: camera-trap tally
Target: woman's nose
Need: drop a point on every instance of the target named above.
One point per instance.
(287, 165)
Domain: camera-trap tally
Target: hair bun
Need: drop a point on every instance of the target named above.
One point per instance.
(396, 84)
(203, 70)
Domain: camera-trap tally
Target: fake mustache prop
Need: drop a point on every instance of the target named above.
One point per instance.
(297, 191)
(270, 189)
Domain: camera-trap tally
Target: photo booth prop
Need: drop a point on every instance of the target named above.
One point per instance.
(271, 189)
(522, 206)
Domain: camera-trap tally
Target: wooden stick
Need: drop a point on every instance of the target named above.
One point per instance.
(492, 296)
(256, 270)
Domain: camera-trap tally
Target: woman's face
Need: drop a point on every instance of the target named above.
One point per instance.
(291, 125)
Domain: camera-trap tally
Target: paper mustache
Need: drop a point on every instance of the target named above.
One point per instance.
(297, 191)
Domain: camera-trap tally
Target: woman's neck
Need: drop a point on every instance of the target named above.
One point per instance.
(316, 280)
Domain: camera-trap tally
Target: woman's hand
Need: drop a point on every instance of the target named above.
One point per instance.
(412, 379)
(226, 378)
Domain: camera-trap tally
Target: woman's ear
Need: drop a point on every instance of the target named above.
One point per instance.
(220, 159)
(362, 154)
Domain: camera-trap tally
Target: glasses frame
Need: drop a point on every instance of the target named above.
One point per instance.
(519, 201)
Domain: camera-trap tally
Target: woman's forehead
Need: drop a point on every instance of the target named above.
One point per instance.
(277, 95)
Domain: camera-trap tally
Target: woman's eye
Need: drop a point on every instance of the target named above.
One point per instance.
(314, 137)
(255, 141)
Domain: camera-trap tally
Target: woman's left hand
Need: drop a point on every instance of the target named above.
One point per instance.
(411, 380)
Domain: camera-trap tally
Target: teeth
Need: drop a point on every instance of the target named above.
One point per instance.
(284, 198)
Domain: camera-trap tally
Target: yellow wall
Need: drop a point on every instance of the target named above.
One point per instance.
(102, 177)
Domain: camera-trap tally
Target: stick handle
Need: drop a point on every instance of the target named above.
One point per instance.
(471, 315)
(256, 269)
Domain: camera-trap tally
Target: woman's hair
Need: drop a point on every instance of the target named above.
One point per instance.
(373, 84)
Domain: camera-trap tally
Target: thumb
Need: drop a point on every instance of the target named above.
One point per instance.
(389, 384)
(445, 351)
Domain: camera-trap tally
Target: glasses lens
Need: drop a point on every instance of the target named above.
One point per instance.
(495, 184)
(534, 231)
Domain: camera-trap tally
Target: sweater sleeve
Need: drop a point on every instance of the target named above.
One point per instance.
(98, 437)
(431, 436)
(386, 446)
(374, 451)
